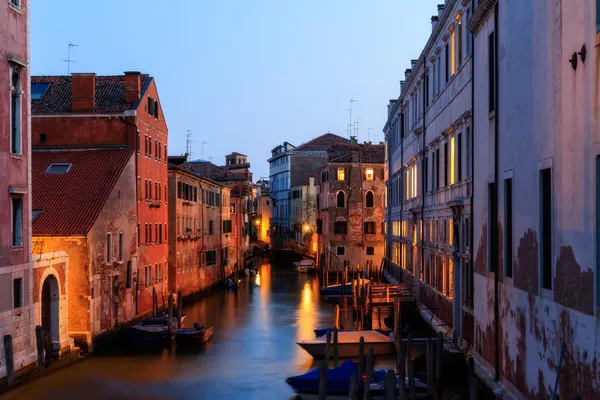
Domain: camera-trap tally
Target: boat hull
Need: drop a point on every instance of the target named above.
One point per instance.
(347, 350)
(193, 336)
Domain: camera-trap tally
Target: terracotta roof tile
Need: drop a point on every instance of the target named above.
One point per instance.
(110, 94)
(71, 202)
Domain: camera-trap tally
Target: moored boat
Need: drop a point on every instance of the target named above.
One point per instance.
(338, 383)
(333, 292)
(199, 335)
(323, 331)
(305, 265)
(349, 344)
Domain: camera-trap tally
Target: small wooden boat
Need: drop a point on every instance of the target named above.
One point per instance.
(231, 284)
(153, 329)
(349, 344)
(323, 331)
(338, 383)
(305, 265)
(199, 335)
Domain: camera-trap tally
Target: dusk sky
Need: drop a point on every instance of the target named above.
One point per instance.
(244, 75)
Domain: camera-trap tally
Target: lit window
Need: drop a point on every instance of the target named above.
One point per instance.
(451, 231)
(369, 174)
(452, 162)
(340, 174)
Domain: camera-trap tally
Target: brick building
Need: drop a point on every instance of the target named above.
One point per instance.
(351, 204)
(94, 225)
(198, 223)
(89, 110)
(15, 186)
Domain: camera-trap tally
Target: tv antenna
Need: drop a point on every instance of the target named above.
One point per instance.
(68, 60)
(203, 143)
(188, 144)
(369, 134)
(356, 128)
(350, 120)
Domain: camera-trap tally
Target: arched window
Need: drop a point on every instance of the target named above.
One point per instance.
(341, 199)
(15, 112)
(369, 199)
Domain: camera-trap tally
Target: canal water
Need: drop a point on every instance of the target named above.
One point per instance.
(252, 352)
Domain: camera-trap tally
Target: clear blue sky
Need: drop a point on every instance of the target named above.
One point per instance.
(243, 75)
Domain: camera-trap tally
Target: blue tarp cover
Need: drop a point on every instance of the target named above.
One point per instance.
(338, 379)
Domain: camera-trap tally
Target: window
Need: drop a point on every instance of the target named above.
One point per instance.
(156, 232)
(369, 174)
(369, 227)
(38, 90)
(211, 257)
(369, 199)
(108, 248)
(447, 62)
(17, 292)
(151, 105)
(58, 168)
(138, 235)
(160, 234)
(446, 166)
(319, 226)
(210, 227)
(459, 39)
(137, 142)
(468, 18)
(165, 153)
(155, 109)
(546, 227)
(341, 199)
(17, 221)
(340, 227)
(340, 251)
(15, 112)
(437, 168)
(452, 162)
(129, 275)
(508, 228)
(468, 151)
(459, 158)
(492, 72)
(227, 226)
(120, 247)
(341, 174)
(452, 53)
(492, 222)
(451, 231)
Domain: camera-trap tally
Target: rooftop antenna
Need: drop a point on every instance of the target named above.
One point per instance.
(188, 143)
(356, 129)
(350, 120)
(375, 138)
(203, 143)
(369, 134)
(68, 60)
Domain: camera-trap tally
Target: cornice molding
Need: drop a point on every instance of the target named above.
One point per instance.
(481, 14)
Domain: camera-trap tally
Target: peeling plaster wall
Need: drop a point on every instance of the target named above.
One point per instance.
(546, 118)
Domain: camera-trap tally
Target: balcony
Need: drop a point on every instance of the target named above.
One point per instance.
(455, 193)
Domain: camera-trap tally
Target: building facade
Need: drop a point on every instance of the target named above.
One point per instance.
(303, 220)
(280, 178)
(15, 187)
(94, 225)
(88, 110)
(536, 197)
(351, 204)
(263, 211)
(193, 261)
(429, 145)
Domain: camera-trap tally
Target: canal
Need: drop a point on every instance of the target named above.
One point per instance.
(252, 352)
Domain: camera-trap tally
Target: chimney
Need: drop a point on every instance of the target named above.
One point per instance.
(407, 74)
(413, 64)
(440, 10)
(402, 85)
(83, 92)
(132, 86)
(353, 140)
(434, 22)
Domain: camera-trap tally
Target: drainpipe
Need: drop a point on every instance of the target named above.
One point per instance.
(495, 194)
(472, 169)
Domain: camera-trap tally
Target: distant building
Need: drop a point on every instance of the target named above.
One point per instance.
(303, 207)
(94, 111)
(196, 225)
(263, 211)
(94, 224)
(351, 204)
(280, 178)
(16, 287)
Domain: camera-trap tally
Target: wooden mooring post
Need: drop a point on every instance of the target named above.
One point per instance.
(429, 359)
(9, 360)
(410, 367)
(369, 374)
(39, 342)
(170, 321)
(401, 355)
(390, 385)
(154, 301)
(180, 309)
(361, 363)
(328, 347)
(352, 390)
(438, 364)
(323, 380)
(335, 347)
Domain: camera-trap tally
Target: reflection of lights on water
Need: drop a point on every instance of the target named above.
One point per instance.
(257, 279)
(305, 320)
(306, 297)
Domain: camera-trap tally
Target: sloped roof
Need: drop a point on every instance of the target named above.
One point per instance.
(204, 169)
(369, 153)
(110, 94)
(71, 202)
(322, 142)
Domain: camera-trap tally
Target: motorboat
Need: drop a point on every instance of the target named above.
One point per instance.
(349, 344)
(334, 292)
(189, 337)
(338, 383)
(305, 265)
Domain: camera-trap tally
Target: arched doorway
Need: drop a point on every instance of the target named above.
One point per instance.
(50, 306)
